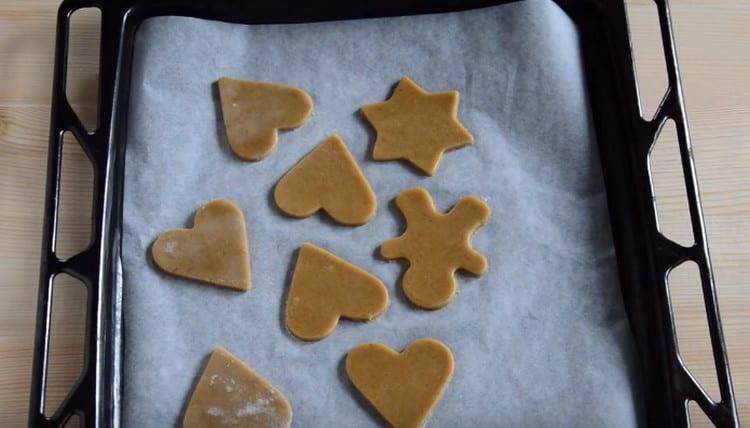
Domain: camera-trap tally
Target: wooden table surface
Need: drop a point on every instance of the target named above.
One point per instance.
(713, 44)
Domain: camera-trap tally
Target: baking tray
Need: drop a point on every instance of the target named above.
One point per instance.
(644, 255)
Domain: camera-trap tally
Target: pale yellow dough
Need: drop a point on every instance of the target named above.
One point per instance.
(255, 111)
(436, 245)
(402, 387)
(417, 126)
(327, 179)
(324, 288)
(231, 395)
(213, 251)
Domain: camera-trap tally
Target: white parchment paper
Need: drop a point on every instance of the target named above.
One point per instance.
(542, 340)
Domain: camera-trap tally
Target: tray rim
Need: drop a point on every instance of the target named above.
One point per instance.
(644, 255)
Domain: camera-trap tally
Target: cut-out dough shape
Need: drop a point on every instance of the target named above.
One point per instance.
(436, 245)
(231, 395)
(327, 179)
(325, 288)
(255, 111)
(213, 251)
(417, 126)
(402, 387)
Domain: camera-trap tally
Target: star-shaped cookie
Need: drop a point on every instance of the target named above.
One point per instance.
(417, 126)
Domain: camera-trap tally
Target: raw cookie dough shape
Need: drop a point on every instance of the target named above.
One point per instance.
(402, 387)
(327, 179)
(325, 288)
(213, 251)
(417, 126)
(255, 111)
(436, 245)
(231, 395)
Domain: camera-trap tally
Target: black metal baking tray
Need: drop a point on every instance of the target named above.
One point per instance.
(644, 255)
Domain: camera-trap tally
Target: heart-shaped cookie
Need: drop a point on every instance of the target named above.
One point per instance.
(325, 288)
(402, 387)
(255, 111)
(213, 251)
(329, 179)
(230, 394)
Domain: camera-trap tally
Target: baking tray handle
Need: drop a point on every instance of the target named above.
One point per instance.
(669, 254)
(95, 381)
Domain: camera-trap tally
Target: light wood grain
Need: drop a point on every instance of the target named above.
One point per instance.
(714, 50)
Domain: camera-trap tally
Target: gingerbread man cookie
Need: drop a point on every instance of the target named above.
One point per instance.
(436, 245)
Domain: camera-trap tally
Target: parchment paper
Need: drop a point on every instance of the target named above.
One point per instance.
(542, 340)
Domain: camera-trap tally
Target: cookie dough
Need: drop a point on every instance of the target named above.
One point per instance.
(402, 387)
(436, 245)
(417, 126)
(327, 179)
(213, 251)
(255, 111)
(231, 395)
(325, 288)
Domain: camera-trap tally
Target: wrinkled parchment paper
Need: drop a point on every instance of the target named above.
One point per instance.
(542, 340)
